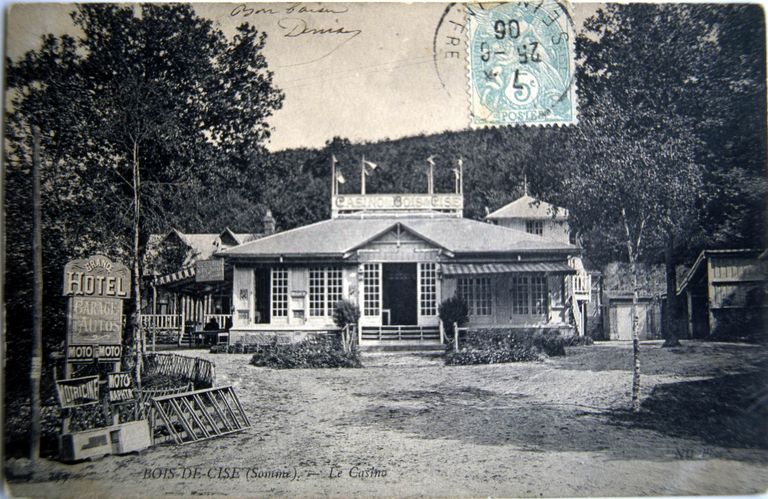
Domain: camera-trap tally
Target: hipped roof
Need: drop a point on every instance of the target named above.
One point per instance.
(339, 236)
(528, 207)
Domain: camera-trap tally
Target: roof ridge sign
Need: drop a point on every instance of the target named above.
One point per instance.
(350, 203)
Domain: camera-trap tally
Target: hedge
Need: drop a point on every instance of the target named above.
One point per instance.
(494, 346)
(316, 352)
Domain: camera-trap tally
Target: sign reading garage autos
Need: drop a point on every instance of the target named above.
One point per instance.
(96, 287)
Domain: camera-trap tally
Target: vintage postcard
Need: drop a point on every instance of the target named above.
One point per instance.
(509, 249)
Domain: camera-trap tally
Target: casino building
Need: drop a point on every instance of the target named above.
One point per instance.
(398, 256)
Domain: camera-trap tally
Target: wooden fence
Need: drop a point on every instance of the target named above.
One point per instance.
(201, 372)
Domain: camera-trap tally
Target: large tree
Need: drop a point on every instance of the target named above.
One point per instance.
(151, 106)
(649, 77)
(685, 80)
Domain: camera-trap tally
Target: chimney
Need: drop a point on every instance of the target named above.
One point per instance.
(268, 223)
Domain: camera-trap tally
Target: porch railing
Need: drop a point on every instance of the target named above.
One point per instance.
(221, 319)
(161, 322)
(398, 333)
(582, 285)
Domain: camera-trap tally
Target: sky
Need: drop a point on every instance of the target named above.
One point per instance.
(362, 71)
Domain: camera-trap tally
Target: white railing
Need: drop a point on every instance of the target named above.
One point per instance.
(161, 322)
(221, 319)
(582, 285)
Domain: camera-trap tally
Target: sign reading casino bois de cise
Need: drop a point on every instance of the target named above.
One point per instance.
(97, 288)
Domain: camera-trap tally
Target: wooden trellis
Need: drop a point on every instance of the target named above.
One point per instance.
(198, 370)
(192, 416)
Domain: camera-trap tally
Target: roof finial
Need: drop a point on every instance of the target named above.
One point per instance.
(525, 184)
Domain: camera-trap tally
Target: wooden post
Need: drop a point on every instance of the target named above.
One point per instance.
(455, 337)
(35, 372)
(183, 309)
(442, 331)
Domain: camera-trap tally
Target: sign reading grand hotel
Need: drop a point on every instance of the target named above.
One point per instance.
(96, 287)
(398, 202)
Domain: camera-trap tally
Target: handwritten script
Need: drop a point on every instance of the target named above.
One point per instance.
(295, 28)
(293, 8)
(301, 21)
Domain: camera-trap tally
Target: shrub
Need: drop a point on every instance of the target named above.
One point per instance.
(317, 352)
(494, 346)
(345, 312)
(451, 310)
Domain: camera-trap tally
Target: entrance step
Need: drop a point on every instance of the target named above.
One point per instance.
(414, 347)
(400, 334)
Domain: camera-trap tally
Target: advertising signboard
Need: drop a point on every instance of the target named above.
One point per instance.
(96, 287)
(77, 392)
(120, 386)
(95, 320)
(209, 270)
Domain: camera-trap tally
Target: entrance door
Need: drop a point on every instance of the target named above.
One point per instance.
(261, 296)
(399, 294)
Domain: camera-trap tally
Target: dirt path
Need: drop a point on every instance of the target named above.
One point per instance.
(413, 427)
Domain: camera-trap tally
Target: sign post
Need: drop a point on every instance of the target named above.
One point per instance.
(97, 287)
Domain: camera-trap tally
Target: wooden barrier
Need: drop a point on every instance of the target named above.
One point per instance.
(192, 416)
(201, 372)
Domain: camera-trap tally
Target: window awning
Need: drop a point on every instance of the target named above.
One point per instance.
(181, 275)
(458, 269)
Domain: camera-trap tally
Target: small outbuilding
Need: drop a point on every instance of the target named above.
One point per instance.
(617, 301)
(725, 294)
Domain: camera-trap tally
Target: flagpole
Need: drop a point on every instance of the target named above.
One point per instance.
(362, 175)
(334, 185)
(461, 176)
(431, 175)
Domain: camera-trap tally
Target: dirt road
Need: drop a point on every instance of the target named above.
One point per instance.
(407, 426)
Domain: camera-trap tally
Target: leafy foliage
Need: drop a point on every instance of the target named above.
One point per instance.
(150, 92)
(319, 352)
(453, 310)
(495, 346)
(345, 312)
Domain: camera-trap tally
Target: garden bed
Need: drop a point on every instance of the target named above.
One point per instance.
(497, 346)
(317, 352)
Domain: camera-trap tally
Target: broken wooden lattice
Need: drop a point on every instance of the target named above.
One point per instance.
(192, 416)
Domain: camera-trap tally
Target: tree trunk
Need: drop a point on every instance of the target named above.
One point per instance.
(632, 253)
(35, 372)
(137, 332)
(669, 328)
(635, 338)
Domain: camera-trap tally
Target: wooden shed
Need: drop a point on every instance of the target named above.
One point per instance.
(725, 293)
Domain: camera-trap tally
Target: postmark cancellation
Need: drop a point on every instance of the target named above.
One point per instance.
(521, 64)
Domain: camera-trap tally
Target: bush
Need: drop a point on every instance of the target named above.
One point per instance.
(451, 310)
(345, 312)
(319, 352)
(494, 346)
